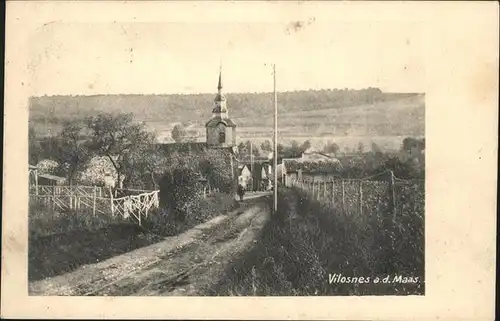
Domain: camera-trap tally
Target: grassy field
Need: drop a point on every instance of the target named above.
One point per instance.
(306, 248)
(384, 123)
(62, 241)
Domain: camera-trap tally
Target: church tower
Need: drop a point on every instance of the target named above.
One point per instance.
(221, 130)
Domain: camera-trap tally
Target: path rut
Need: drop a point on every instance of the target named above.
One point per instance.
(187, 264)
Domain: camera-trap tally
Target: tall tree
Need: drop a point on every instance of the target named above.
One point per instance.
(120, 139)
(331, 147)
(245, 148)
(250, 146)
(72, 148)
(305, 146)
(266, 146)
(361, 147)
(34, 148)
(181, 134)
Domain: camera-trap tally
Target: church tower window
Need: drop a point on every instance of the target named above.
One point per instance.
(222, 137)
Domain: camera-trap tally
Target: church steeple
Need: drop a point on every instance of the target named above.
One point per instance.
(219, 87)
(221, 130)
(220, 109)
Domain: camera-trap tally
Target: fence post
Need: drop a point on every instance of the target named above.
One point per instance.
(343, 196)
(111, 199)
(393, 196)
(53, 198)
(324, 190)
(70, 198)
(94, 200)
(333, 192)
(361, 197)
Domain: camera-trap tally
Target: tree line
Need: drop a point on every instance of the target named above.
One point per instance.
(361, 161)
(55, 109)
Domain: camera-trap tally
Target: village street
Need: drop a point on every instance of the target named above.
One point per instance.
(187, 264)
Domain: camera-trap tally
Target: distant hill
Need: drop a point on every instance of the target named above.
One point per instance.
(311, 114)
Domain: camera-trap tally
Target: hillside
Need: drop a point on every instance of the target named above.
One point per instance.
(316, 115)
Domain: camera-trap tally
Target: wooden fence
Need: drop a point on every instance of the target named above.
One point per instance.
(366, 196)
(131, 203)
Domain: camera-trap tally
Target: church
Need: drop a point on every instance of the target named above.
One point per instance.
(220, 137)
(220, 129)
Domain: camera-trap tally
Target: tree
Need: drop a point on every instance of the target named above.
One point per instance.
(179, 133)
(120, 139)
(245, 148)
(242, 149)
(148, 167)
(375, 148)
(331, 147)
(47, 166)
(361, 147)
(34, 148)
(96, 170)
(266, 146)
(253, 147)
(305, 146)
(411, 143)
(72, 148)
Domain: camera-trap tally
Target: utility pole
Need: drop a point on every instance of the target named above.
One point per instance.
(275, 142)
(251, 164)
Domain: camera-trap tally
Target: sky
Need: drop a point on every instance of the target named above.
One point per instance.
(78, 58)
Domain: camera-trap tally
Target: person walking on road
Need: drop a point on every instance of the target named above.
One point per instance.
(241, 192)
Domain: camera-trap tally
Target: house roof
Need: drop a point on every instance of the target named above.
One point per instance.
(256, 166)
(321, 166)
(217, 120)
(52, 177)
(256, 159)
(240, 169)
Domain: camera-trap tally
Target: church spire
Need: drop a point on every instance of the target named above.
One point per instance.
(219, 87)
(220, 109)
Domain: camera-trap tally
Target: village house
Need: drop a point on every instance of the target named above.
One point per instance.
(255, 173)
(244, 176)
(36, 178)
(51, 180)
(311, 166)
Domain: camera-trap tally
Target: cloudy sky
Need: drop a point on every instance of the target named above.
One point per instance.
(184, 57)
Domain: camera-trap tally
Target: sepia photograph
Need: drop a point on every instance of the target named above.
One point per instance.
(228, 157)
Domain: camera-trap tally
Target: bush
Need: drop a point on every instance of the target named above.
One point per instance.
(165, 222)
(44, 221)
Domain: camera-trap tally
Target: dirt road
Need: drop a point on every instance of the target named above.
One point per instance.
(187, 264)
